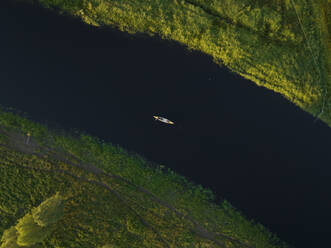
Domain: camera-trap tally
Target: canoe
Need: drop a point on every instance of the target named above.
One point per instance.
(162, 119)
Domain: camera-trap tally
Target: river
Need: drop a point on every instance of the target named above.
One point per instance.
(246, 143)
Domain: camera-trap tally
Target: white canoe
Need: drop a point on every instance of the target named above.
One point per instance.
(162, 119)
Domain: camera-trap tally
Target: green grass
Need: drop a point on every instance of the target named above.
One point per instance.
(283, 45)
(127, 202)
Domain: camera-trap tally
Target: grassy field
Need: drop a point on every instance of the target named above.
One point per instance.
(106, 197)
(283, 45)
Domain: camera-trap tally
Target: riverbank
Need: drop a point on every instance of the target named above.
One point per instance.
(118, 189)
(279, 47)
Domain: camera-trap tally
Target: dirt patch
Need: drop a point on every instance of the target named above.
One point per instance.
(66, 157)
(27, 144)
(22, 143)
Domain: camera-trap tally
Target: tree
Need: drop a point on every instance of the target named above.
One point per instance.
(49, 211)
(34, 228)
(29, 232)
(9, 238)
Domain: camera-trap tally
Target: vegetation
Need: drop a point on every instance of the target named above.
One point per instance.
(283, 45)
(69, 189)
(49, 212)
(34, 228)
(9, 238)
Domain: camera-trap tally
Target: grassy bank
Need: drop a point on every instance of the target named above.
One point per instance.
(283, 45)
(110, 197)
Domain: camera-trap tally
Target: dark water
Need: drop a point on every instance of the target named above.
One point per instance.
(246, 143)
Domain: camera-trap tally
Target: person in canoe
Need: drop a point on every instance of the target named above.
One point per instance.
(162, 119)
